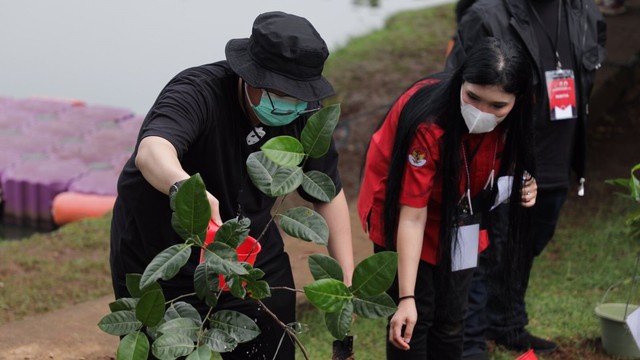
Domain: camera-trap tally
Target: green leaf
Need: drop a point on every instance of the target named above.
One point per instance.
(236, 324)
(305, 224)
(284, 151)
(258, 289)
(152, 331)
(329, 295)
(219, 341)
(619, 182)
(206, 282)
(192, 207)
(221, 250)
(166, 264)
(133, 346)
(634, 184)
(233, 232)
(234, 283)
(123, 304)
(202, 353)
(375, 274)
(254, 274)
(286, 180)
(381, 305)
(319, 185)
(172, 346)
(184, 326)
(324, 267)
(633, 217)
(223, 259)
(150, 309)
(178, 228)
(183, 310)
(133, 285)
(318, 132)
(339, 322)
(120, 323)
(261, 171)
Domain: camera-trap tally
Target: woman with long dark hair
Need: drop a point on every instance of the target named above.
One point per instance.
(447, 151)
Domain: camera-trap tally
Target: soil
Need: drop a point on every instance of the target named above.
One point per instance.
(613, 148)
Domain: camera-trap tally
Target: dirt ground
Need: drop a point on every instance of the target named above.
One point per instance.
(614, 146)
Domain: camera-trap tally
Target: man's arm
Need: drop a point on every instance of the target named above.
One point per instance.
(336, 214)
(158, 162)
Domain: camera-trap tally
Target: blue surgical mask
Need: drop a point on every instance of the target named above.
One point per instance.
(275, 110)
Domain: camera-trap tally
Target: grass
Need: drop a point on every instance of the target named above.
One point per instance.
(589, 253)
(568, 281)
(368, 336)
(52, 270)
(384, 62)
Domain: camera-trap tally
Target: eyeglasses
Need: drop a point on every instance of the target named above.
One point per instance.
(276, 111)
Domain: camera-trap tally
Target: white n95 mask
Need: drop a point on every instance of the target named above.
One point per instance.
(477, 121)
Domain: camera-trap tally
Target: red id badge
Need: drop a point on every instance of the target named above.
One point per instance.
(562, 94)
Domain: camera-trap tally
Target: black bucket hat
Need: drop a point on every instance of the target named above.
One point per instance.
(284, 53)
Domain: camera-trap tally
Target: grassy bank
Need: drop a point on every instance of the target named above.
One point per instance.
(589, 252)
(49, 271)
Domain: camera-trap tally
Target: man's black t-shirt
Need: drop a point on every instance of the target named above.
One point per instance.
(199, 113)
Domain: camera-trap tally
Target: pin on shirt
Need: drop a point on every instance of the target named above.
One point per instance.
(255, 135)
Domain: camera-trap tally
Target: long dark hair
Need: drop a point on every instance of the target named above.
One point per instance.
(491, 62)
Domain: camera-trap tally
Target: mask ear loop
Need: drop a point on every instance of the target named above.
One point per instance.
(243, 102)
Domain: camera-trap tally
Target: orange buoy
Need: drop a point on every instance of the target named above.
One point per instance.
(72, 206)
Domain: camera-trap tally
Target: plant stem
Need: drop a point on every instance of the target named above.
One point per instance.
(266, 227)
(180, 297)
(286, 288)
(286, 328)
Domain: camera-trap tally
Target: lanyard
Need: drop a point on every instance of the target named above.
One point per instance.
(554, 45)
(467, 192)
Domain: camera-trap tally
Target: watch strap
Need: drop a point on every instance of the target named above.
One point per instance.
(175, 186)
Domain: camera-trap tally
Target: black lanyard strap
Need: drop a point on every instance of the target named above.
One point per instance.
(554, 45)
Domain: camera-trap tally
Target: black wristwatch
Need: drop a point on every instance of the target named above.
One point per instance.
(174, 188)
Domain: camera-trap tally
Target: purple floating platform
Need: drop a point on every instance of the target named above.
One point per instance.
(30, 186)
(50, 146)
(98, 181)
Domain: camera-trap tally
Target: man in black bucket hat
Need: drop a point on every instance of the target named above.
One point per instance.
(284, 53)
(207, 120)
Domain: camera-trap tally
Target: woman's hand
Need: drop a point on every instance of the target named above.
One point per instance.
(529, 191)
(406, 316)
(215, 209)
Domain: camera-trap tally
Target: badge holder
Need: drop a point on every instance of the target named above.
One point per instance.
(464, 252)
(561, 90)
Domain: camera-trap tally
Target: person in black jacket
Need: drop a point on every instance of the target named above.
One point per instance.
(565, 39)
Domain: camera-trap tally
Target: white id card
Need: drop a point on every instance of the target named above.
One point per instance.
(464, 255)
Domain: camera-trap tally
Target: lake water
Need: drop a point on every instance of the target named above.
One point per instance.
(121, 53)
